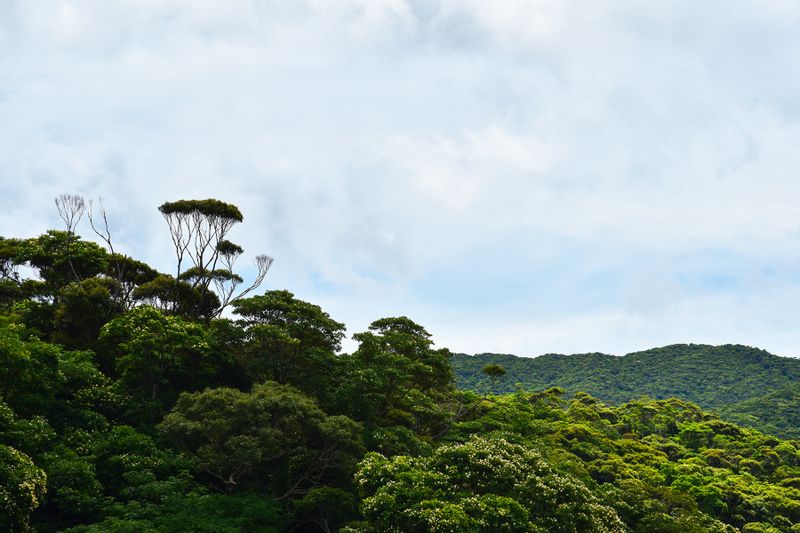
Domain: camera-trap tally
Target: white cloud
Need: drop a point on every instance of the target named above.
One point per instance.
(376, 146)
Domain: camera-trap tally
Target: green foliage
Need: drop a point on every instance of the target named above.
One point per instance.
(396, 377)
(289, 341)
(208, 208)
(28, 371)
(273, 439)
(176, 296)
(120, 416)
(746, 385)
(198, 229)
(776, 412)
(306, 322)
(82, 309)
(483, 485)
(196, 512)
(328, 508)
(494, 372)
(60, 258)
(157, 357)
(22, 487)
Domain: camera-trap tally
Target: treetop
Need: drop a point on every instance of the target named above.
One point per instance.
(209, 207)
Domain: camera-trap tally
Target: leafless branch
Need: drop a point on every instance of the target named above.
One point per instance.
(263, 263)
(70, 208)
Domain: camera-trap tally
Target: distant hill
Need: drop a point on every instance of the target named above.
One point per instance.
(747, 385)
(777, 412)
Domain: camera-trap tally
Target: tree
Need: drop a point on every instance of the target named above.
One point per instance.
(289, 341)
(273, 439)
(176, 297)
(198, 229)
(70, 208)
(60, 258)
(304, 321)
(124, 270)
(83, 308)
(22, 487)
(157, 357)
(483, 485)
(396, 377)
(28, 371)
(495, 372)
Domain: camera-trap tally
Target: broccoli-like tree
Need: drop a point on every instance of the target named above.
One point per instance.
(273, 438)
(495, 373)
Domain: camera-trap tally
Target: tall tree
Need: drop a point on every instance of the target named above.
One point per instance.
(289, 341)
(396, 377)
(198, 229)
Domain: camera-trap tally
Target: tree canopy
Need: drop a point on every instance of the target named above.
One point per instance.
(129, 403)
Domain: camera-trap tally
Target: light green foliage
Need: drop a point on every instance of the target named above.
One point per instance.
(746, 385)
(483, 485)
(658, 462)
(22, 487)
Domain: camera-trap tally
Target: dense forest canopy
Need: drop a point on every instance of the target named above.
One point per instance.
(745, 385)
(131, 402)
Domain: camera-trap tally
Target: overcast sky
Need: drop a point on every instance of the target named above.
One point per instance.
(520, 176)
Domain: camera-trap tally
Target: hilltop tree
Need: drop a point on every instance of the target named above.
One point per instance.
(495, 373)
(289, 341)
(198, 229)
(396, 377)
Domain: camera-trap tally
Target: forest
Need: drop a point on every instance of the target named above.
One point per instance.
(745, 385)
(133, 400)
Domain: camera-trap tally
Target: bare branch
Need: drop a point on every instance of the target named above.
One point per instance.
(263, 263)
(70, 208)
(105, 234)
(123, 293)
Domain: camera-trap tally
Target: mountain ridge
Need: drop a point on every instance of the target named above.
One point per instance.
(727, 378)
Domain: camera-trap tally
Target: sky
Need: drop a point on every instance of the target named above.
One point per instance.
(518, 176)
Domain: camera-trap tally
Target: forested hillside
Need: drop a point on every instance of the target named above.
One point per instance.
(747, 385)
(131, 401)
